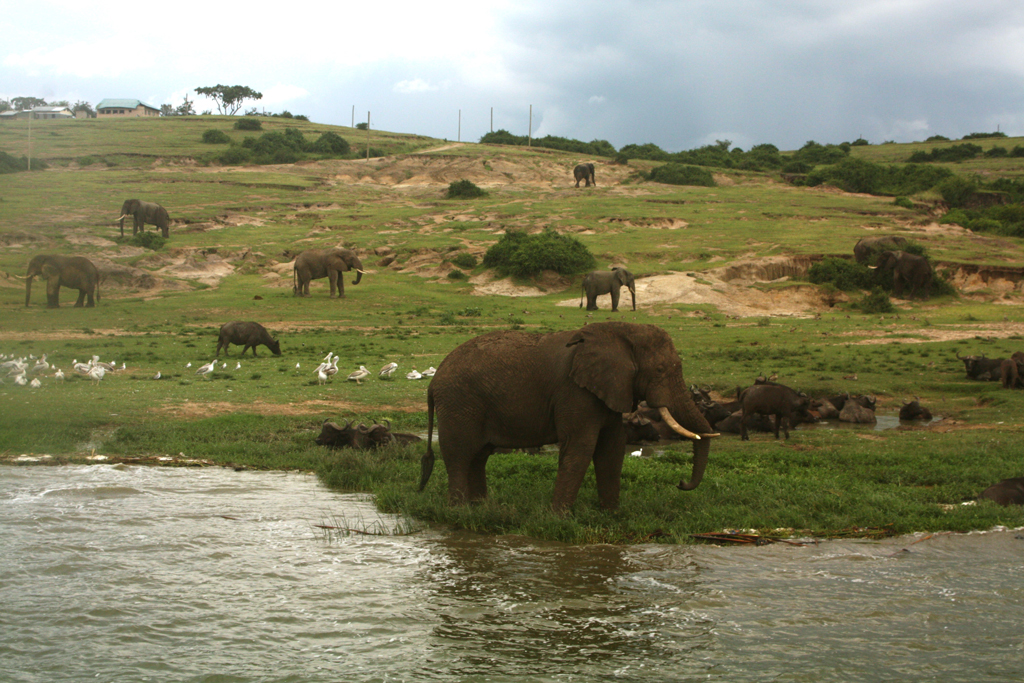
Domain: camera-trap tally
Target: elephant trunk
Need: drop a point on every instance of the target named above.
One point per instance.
(700, 461)
(632, 294)
(359, 276)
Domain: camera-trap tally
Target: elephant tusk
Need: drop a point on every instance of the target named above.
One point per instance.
(121, 217)
(361, 272)
(676, 427)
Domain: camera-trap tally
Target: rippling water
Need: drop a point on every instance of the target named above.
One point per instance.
(115, 573)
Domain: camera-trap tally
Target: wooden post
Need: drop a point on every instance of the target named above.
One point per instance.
(353, 116)
(529, 137)
(459, 137)
(367, 136)
(30, 139)
(492, 119)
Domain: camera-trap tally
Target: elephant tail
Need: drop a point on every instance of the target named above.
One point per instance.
(427, 461)
(97, 289)
(583, 290)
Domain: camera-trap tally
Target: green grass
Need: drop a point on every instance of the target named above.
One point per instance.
(267, 414)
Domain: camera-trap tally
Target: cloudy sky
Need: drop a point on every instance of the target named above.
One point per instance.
(678, 73)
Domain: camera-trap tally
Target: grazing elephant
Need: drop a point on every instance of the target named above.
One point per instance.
(607, 282)
(1006, 492)
(584, 172)
(907, 270)
(522, 390)
(142, 213)
(314, 264)
(247, 335)
(865, 250)
(76, 272)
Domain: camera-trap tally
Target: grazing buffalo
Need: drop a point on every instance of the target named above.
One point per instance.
(981, 368)
(247, 335)
(787, 405)
(1006, 492)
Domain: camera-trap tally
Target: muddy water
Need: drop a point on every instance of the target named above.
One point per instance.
(115, 573)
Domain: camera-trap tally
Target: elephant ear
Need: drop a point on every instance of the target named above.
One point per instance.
(603, 365)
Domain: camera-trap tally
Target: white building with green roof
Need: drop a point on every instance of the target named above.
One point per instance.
(120, 109)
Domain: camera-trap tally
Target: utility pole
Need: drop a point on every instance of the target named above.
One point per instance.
(492, 119)
(30, 139)
(459, 138)
(367, 136)
(529, 137)
(353, 116)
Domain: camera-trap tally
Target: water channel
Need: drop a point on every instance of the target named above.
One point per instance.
(123, 573)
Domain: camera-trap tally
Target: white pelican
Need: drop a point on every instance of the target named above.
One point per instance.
(35, 383)
(97, 372)
(41, 365)
(429, 372)
(107, 367)
(20, 380)
(413, 374)
(82, 368)
(205, 370)
(59, 375)
(327, 358)
(321, 376)
(360, 374)
(385, 372)
(332, 369)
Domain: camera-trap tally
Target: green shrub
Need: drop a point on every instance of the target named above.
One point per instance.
(841, 273)
(148, 240)
(216, 137)
(858, 175)
(234, 156)
(363, 125)
(12, 164)
(876, 302)
(957, 190)
(330, 144)
(996, 152)
(903, 202)
(464, 189)
(456, 274)
(523, 255)
(677, 174)
(464, 260)
(248, 124)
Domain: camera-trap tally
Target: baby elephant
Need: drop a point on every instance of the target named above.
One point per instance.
(246, 334)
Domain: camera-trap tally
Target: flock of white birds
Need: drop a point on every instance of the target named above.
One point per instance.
(18, 370)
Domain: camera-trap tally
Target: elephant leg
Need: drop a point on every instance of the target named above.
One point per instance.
(608, 456)
(591, 300)
(615, 299)
(476, 479)
(90, 303)
(81, 299)
(333, 277)
(53, 293)
(743, 428)
(575, 452)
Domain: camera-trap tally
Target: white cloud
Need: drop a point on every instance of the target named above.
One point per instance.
(597, 99)
(416, 85)
(279, 94)
(83, 60)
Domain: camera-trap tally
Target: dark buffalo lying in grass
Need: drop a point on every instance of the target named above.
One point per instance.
(1006, 492)
(981, 368)
(913, 410)
(362, 437)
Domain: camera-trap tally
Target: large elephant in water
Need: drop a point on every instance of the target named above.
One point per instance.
(908, 270)
(314, 264)
(523, 390)
(584, 172)
(76, 272)
(602, 282)
(142, 213)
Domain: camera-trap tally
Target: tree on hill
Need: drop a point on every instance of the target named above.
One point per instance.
(229, 98)
(82, 105)
(25, 103)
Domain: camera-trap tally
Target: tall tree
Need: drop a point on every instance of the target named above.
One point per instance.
(82, 105)
(24, 103)
(229, 98)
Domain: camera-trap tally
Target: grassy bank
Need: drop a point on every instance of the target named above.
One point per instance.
(233, 229)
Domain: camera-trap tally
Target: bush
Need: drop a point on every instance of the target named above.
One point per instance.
(464, 189)
(456, 274)
(330, 144)
(957, 190)
(677, 174)
(248, 124)
(522, 255)
(876, 302)
(12, 164)
(465, 260)
(842, 274)
(234, 156)
(903, 202)
(148, 240)
(362, 125)
(858, 175)
(216, 137)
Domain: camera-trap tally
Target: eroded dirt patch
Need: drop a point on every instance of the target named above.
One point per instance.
(193, 410)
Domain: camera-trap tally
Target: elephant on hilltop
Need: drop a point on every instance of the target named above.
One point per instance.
(314, 264)
(142, 213)
(584, 172)
(76, 272)
(602, 282)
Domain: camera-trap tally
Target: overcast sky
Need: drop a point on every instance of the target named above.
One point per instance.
(678, 73)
